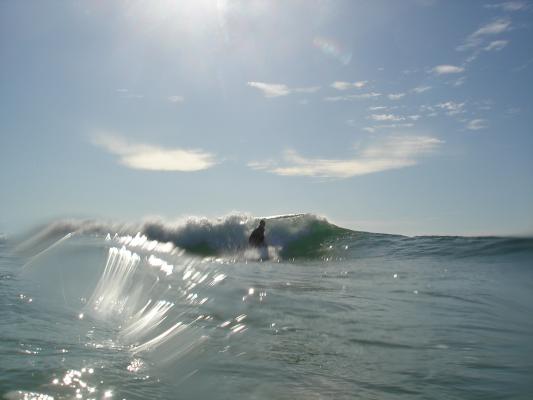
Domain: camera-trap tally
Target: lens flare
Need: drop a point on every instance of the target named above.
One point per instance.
(333, 49)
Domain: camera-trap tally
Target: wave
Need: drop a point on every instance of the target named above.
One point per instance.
(288, 236)
(293, 235)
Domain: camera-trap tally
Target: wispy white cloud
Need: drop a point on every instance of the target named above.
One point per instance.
(374, 128)
(377, 108)
(452, 107)
(342, 85)
(350, 97)
(391, 153)
(496, 45)
(421, 89)
(154, 158)
(493, 28)
(476, 39)
(476, 124)
(395, 96)
(449, 107)
(271, 89)
(386, 117)
(509, 5)
(447, 69)
(279, 89)
(176, 99)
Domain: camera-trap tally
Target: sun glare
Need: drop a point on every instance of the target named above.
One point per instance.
(176, 14)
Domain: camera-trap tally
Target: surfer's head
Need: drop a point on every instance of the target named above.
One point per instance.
(262, 223)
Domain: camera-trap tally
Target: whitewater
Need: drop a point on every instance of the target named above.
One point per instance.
(185, 310)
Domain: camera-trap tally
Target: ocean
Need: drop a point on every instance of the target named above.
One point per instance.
(184, 310)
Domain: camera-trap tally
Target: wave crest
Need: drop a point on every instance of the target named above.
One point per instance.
(294, 235)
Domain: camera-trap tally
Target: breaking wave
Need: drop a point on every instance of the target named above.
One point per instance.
(288, 236)
(291, 235)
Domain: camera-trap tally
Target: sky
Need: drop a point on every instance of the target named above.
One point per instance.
(411, 117)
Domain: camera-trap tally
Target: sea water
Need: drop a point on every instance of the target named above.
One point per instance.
(93, 310)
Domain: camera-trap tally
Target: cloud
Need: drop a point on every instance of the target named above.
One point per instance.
(395, 96)
(451, 107)
(391, 153)
(496, 45)
(271, 89)
(154, 158)
(476, 124)
(493, 28)
(509, 5)
(350, 97)
(374, 128)
(447, 69)
(386, 117)
(176, 99)
(421, 89)
(279, 89)
(341, 85)
(475, 40)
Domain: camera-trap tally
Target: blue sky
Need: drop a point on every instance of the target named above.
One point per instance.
(410, 117)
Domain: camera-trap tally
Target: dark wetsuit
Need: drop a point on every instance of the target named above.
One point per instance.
(257, 238)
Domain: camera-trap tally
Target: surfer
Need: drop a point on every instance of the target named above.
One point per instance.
(257, 238)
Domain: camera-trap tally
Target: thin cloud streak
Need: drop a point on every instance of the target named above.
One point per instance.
(341, 85)
(476, 39)
(154, 158)
(496, 45)
(278, 89)
(395, 96)
(447, 69)
(421, 89)
(374, 128)
(386, 117)
(509, 5)
(392, 153)
(350, 97)
(271, 89)
(476, 124)
(493, 28)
